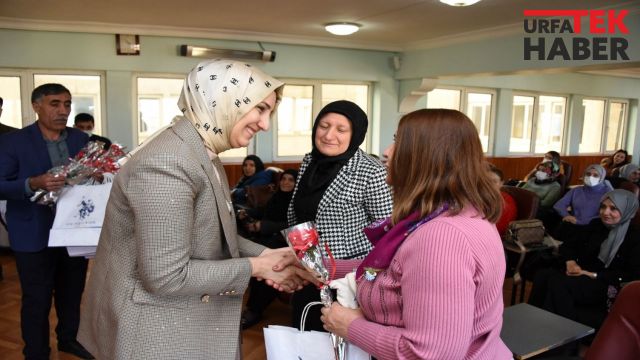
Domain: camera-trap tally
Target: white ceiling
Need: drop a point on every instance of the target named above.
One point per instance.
(394, 25)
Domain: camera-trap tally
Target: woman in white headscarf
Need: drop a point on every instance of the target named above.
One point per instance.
(600, 255)
(170, 270)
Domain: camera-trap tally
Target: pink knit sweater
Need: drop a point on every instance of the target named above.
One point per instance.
(441, 297)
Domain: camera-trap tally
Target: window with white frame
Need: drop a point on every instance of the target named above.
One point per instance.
(301, 100)
(157, 104)
(295, 120)
(86, 94)
(477, 105)
(12, 105)
(443, 99)
(602, 125)
(537, 123)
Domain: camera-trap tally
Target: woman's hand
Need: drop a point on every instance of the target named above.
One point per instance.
(570, 219)
(589, 274)
(281, 270)
(573, 269)
(337, 318)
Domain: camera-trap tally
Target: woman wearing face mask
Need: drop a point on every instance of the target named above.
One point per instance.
(552, 157)
(581, 204)
(341, 188)
(253, 173)
(170, 271)
(602, 254)
(544, 184)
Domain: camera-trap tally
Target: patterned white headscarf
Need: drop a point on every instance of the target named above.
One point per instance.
(218, 93)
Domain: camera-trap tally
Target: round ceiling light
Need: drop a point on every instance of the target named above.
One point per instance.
(459, 2)
(342, 28)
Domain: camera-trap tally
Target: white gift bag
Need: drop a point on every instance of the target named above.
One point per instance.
(287, 343)
(79, 215)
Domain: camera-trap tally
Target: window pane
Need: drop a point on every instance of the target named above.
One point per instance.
(11, 109)
(157, 104)
(359, 94)
(614, 125)
(295, 120)
(85, 95)
(479, 111)
(592, 126)
(551, 110)
(443, 99)
(521, 122)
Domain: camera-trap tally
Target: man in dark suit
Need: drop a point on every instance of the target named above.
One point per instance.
(86, 123)
(25, 157)
(4, 128)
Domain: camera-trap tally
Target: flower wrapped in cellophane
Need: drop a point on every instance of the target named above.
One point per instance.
(92, 159)
(305, 242)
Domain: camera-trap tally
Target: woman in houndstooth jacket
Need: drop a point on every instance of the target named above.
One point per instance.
(341, 188)
(170, 270)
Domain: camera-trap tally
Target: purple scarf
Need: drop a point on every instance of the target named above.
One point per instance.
(387, 239)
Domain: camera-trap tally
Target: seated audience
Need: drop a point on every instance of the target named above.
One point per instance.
(595, 261)
(431, 288)
(618, 159)
(581, 204)
(509, 206)
(554, 158)
(629, 172)
(544, 184)
(253, 173)
(265, 225)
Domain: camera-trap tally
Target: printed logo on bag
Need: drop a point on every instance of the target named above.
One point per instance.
(85, 208)
(561, 35)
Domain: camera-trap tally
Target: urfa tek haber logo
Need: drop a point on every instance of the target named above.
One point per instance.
(606, 26)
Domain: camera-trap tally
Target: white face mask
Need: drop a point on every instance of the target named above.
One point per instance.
(541, 175)
(88, 132)
(545, 160)
(591, 180)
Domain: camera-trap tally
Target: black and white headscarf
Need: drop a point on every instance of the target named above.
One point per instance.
(218, 93)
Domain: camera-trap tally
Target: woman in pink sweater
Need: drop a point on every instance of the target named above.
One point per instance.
(431, 288)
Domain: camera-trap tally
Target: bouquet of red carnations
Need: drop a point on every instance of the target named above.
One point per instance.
(305, 242)
(92, 159)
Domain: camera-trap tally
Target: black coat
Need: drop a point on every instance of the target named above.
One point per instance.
(583, 246)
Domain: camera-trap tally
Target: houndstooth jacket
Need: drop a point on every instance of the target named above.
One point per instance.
(169, 272)
(358, 196)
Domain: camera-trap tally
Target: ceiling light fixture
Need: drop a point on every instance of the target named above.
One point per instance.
(342, 28)
(459, 2)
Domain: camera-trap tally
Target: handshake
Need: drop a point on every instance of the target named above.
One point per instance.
(280, 269)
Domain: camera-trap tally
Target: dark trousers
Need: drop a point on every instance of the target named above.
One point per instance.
(45, 274)
(565, 295)
(260, 296)
(299, 300)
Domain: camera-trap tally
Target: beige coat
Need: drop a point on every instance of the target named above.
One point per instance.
(169, 276)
